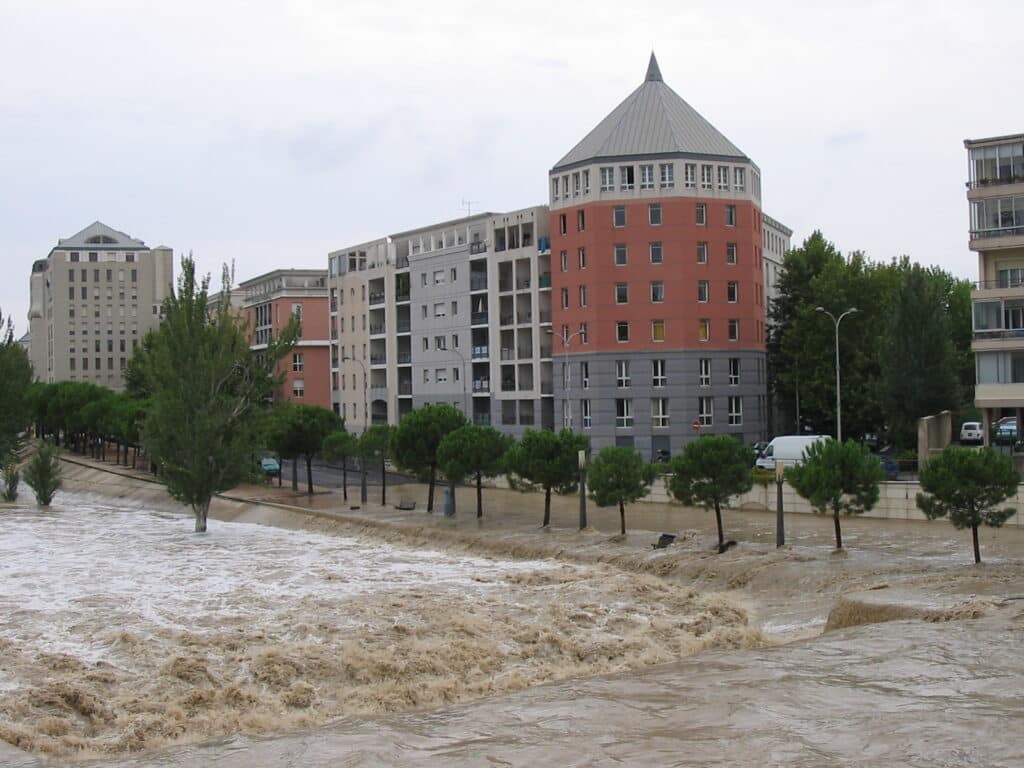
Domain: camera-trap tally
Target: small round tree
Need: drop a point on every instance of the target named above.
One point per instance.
(417, 438)
(619, 475)
(473, 451)
(547, 460)
(710, 471)
(340, 446)
(837, 477)
(375, 445)
(43, 473)
(967, 485)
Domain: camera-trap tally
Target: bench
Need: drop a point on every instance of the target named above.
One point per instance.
(406, 506)
(664, 540)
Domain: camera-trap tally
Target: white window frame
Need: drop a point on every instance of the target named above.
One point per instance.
(622, 377)
(564, 260)
(702, 252)
(723, 177)
(583, 295)
(702, 215)
(647, 176)
(690, 175)
(730, 215)
(704, 323)
(735, 411)
(707, 177)
(703, 291)
(627, 178)
(651, 209)
(657, 292)
(625, 288)
(659, 377)
(615, 213)
(620, 248)
(667, 174)
(706, 411)
(585, 374)
(585, 416)
(704, 372)
(619, 324)
(659, 412)
(734, 371)
(661, 252)
(298, 362)
(734, 329)
(732, 292)
(739, 179)
(607, 178)
(625, 421)
(731, 252)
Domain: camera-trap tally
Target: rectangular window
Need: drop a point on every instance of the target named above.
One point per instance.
(576, 184)
(619, 216)
(730, 215)
(565, 186)
(657, 292)
(581, 222)
(426, 344)
(723, 177)
(622, 380)
(703, 289)
(71, 362)
(583, 333)
(565, 298)
(554, 189)
(621, 293)
(659, 412)
(583, 295)
(423, 279)
(702, 253)
(656, 253)
(626, 181)
(438, 277)
(690, 175)
(439, 309)
(704, 330)
(706, 411)
(735, 411)
(607, 179)
(299, 388)
(734, 330)
(563, 225)
(565, 334)
(623, 413)
(706, 172)
(668, 175)
(730, 253)
(646, 177)
(585, 413)
(702, 214)
(440, 342)
(739, 179)
(563, 259)
(621, 255)
(71, 275)
(455, 374)
(422, 306)
(71, 292)
(585, 374)
(455, 341)
(654, 214)
(455, 308)
(734, 371)
(657, 330)
(582, 254)
(732, 292)
(586, 182)
(455, 274)
(658, 377)
(622, 330)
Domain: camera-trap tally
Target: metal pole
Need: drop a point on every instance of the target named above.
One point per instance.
(780, 526)
(839, 410)
(366, 419)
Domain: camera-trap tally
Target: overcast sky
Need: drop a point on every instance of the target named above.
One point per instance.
(269, 133)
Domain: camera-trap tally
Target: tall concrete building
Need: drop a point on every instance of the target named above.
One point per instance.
(658, 279)
(995, 192)
(776, 242)
(92, 299)
(269, 302)
(456, 312)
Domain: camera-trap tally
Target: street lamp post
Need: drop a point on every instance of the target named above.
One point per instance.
(366, 418)
(837, 321)
(450, 506)
(566, 343)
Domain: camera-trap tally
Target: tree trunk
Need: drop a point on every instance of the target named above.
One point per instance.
(451, 490)
(622, 517)
(362, 480)
(383, 482)
(344, 478)
(135, 455)
(430, 490)
(839, 530)
(479, 496)
(295, 474)
(721, 533)
(201, 510)
(977, 551)
(309, 474)
(547, 506)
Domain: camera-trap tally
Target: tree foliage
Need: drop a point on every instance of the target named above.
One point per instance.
(204, 385)
(340, 446)
(418, 437)
(619, 475)
(15, 384)
(837, 478)
(42, 473)
(967, 486)
(375, 444)
(709, 472)
(473, 451)
(547, 460)
(299, 430)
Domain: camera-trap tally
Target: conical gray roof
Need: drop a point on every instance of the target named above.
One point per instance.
(99, 234)
(653, 120)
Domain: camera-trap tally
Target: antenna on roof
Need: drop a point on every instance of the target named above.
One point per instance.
(467, 206)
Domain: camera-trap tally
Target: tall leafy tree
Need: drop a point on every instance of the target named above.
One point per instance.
(375, 445)
(920, 374)
(619, 475)
(205, 387)
(418, 437)
(340, 446)
(473, 451)
(709, 472)
(42, 473)
(298, 431)
(15, 383)
(967, 486)
(547, 460)
(837, 478)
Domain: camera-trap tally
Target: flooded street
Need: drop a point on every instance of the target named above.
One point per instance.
(394, 639)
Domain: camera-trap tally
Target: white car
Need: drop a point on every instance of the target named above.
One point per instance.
(970, 432)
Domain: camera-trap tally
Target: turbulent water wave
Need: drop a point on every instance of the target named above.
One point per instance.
(124, 632)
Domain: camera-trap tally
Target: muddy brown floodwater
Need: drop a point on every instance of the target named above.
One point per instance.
(390, 640)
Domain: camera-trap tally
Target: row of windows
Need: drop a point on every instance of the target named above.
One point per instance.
(123, 346)
(655, 254)
(134, 273)
(654, 218)
(623, 331)
(132, 311)
(657, 293)
(660, 412)
(659, 375)
(73, 362)
(645, 176)
(93, 256)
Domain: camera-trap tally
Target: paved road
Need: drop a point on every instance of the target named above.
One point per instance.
(330, 475)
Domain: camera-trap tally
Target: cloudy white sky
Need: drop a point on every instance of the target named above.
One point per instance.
(268, 133)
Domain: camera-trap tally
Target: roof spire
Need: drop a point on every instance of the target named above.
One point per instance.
(653, 73)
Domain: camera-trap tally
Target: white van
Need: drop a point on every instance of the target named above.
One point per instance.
(789, 449)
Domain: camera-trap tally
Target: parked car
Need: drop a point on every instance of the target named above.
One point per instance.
(971, 433)
(788, 449)
(1006, 431)
(890, 466)
(870, 441)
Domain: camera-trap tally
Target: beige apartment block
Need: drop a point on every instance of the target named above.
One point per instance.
(93, 298)
(995, 192)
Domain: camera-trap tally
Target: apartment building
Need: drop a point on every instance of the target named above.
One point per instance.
(658, 282)
(92, 299)
(269, 302)
(995, 193)
(776, 242)
(456, 312)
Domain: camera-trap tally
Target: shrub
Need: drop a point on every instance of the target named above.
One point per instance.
(43, 473)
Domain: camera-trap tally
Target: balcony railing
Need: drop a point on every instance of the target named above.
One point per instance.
(524, 317)
(981, 234)
(522, 284)
(477, 247)
(507, 319)
(378, 359)
(376, 327)
(1000, 333)
(524, 354)
(478, 282)
(545, 280)
(481, 353)
(478, 318)
(1004, 283)
(401, 262)
(545, 351)
(334, 305)
(404, 358)
(405, 387)
(545, 317)
(547, 388)
(508, 418)
(507, 353)
(377, 297)
(482, 419)
(404, 326)
(481, 385)
(999, 181)
(400, 297)
(508, 385)
(544, 245)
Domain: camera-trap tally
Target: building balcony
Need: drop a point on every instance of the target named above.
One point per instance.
(481, 385)
(378, 393)
(547, 388)
(405, 389)
(508, 385)
(522, 285)
(481, 353)
(507, 319)
(544, 245)
(377, 298)
(477, 247)
(478, 318)
(376, 328)
(404, 358)
(482, 419)
(524, 317)
(1000, 181)
(504, 285)
(404, 326)
(378, 359)
(545, 280)
(478, 282)
(402, 297)
(402, 262)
